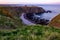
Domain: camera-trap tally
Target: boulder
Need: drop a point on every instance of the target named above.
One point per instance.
(48, 11)
(42, 21)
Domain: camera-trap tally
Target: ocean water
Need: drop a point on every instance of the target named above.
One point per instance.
(55, 11)
(53, 8)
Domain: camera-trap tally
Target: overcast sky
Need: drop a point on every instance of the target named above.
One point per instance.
(29, 1)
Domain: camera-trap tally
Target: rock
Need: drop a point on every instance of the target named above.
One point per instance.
(48, 11)
(32, 9)
(43, 21)
(16, 11)
(38, 13)
(36, 20)
(29, 16)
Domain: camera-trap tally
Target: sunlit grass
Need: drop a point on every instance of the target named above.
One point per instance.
(11, 29)
(36, 32)
(55, 21)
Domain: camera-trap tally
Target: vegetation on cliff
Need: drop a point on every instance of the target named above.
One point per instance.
(36, 32)
(9, 23)
(16, 11)
(11, 29)
(23, 32)
(55, 21)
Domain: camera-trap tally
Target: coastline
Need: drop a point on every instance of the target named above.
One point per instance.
(25, 20)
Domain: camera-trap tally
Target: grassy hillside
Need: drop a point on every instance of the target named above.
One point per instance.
(13, 29)
(36, 32)
(55, 21)
(9, 23)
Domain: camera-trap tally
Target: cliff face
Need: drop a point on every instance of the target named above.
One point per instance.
(16, 11)
(32, 9)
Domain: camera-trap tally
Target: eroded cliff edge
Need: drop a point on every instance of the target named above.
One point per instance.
(17, 10)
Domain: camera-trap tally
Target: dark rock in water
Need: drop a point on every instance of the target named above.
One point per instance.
(48, 11)
(36, 20)
(29, 16)
(42, 21)
(39, 13)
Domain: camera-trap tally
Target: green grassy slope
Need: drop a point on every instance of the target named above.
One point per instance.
(9, 23)
(11, 29)
(36, 32)
(14, 30)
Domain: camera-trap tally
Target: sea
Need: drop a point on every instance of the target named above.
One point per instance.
(55, 11)
(55, 8)
(49, 16)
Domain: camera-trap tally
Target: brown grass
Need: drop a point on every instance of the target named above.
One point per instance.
(55, 21)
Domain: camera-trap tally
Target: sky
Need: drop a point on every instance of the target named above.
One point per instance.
(29, 1)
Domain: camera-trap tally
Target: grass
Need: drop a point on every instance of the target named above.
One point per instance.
(55, 21)
(9, 23)
(36, 32)
(24, 32)
(11, 29)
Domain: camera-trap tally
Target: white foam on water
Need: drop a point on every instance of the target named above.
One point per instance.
(55, 11)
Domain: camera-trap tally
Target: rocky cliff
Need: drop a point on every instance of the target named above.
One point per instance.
(16, 11)
(31, 9)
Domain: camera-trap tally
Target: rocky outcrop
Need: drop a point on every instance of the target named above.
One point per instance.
(35, 19)
(32, 9)
(16, 11)
(48, 11)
